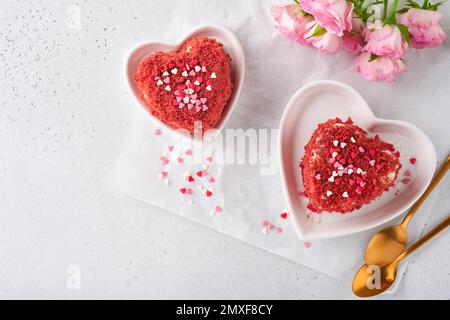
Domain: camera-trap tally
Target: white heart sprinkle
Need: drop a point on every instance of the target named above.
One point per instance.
(160, 83)
(334, 174)
(353, 139)
(208, 88)
(197, 68)
(196, 83)
(372, 162)
(334, 154)
(329, 193)
(167, 88)
(174, 71)
(213, 75)
(186, 99)
(165, 74)
(359, 171)
(184, 74)
(343, 144)
(203, 69)
(345, 194)
(331, 179)
(350, 171)
(335, 143)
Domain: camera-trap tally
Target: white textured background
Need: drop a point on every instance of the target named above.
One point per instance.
(63, 111)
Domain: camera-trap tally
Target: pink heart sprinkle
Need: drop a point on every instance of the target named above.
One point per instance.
(212, 180)
(318, 176)
(205, 107)
(203, 100)
(188, 152)
(164, 173)
(218, 209)
(188, 191)
(198, 108)
(190, 106)
(180, 160)
(407, 173)
(170, 148)
(166, 80)
(164, 160)
(307, 244)
(158, 132)
(194, 96)
(198, 103)
(279, 230)
(181, 105)
(266, 223)
(209, 159)
(192, 73)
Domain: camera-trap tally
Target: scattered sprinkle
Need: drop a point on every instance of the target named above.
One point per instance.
(412, 160)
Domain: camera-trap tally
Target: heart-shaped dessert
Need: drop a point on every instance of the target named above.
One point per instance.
(190, 84)
(344, 169)
(317, 103)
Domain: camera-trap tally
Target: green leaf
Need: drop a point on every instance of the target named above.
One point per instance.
(413, 4)
(405, 33)
(433, 7)
(372, 57)
(318, 31)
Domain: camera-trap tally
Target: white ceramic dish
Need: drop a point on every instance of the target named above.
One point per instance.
(323, 100)
(231, 45)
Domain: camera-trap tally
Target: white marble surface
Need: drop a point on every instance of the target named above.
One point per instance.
(63, 111)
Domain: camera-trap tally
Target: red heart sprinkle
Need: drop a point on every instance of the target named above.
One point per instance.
(412, 160)
(199, 173)
(191, 179)
(284, 215)
(208, 193)
(183, 190)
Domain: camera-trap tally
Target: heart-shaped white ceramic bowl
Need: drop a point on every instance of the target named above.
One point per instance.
(231, 46)
(319, 101)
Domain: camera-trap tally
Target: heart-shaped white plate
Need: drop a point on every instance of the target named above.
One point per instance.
(316, 103)
(231, 46)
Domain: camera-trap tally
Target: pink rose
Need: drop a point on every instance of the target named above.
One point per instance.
(333, 15)
(327, 42)
(385, 40)
(423, 25)
(291, 22)
(353, 40)
(383, 68)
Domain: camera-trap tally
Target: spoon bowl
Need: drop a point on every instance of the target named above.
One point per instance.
(370, 281)
(386, 246)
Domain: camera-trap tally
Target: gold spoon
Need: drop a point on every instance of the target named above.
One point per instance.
(389, 243)
(361, 286)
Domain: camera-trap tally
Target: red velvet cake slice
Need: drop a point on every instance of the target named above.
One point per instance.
(189, 85)
(343, 169)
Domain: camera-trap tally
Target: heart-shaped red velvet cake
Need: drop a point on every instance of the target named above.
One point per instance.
(190, 85)
(343, 169)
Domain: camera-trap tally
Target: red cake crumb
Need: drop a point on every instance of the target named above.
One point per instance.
(343, 169)
(191, 84)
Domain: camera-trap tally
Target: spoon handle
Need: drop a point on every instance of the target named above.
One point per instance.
(437, 178)
(430, 234)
